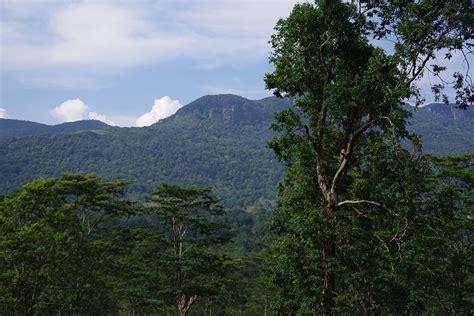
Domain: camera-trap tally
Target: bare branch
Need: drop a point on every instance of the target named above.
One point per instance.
(349, 202)
(416, 73)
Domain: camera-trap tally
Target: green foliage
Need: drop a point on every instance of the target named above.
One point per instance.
(353, 200)
(250, 244)
(137, 271)
(194, 263)
(216, 141)
(452, 244)
(425, 33)
(50, 263)
(204, 144)
(73, 245)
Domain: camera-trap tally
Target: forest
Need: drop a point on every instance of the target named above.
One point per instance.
(364, 220)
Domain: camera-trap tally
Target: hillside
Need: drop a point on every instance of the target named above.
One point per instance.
(15, 128)
(217, 141)
(445, 129)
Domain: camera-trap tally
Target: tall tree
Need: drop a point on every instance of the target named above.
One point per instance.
(348, 120)
(193, 262)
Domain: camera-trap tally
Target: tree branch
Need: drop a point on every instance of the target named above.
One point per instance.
(317, 152)
(349, 202)
(348, 150)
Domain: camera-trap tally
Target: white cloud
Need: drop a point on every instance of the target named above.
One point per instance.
(162, 108)
(76, 110)
(3, 113)
(113, 35)
(70, 111)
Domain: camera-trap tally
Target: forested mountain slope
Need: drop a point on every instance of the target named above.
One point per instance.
(217, 141)
(16, 128)
(445, 129)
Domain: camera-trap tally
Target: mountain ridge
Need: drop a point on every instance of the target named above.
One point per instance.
(217, 141)
(20, 128)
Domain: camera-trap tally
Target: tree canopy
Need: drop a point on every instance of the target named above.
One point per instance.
(351, 191)
(51, 254)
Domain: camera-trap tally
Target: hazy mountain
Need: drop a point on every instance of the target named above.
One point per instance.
(218, 141)
(15, 128)
(445, 129)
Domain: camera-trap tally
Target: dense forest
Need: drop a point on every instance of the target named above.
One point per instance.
(75, 245)
(217, 141)
(188, 218)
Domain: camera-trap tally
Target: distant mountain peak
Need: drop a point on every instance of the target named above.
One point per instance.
(225, 108)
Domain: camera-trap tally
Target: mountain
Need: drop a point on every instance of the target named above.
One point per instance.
(15, 128)
(445, 129)
(217, 141)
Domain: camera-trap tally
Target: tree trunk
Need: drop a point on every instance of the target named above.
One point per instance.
(184, 304)
(329, 254)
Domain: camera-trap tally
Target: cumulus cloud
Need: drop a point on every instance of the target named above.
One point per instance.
(76, 110)
(3, 113)
(162, 108)
(70, 111)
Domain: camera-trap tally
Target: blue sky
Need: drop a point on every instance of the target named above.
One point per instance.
(115, 58)
(125, 62)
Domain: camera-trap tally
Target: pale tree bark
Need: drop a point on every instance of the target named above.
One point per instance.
(185, 303)
(179, 231)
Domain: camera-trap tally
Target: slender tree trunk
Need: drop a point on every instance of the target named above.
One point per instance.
(329, 254)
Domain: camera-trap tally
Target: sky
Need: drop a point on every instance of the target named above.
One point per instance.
(130, 63)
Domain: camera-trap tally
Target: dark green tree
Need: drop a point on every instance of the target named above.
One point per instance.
(50, 262)
(450, 241)
(345, 128)
(193, 263)
(137, 275)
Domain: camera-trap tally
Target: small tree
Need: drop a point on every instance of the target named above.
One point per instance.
(192, 262)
